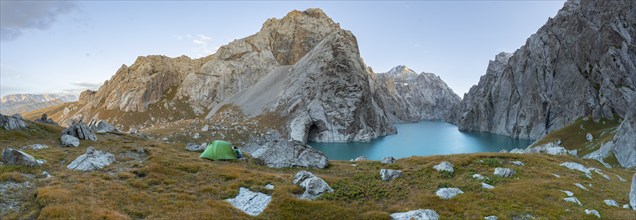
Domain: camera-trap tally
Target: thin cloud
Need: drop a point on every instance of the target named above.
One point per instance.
(18, 16)
(87, 85)
(202, 45)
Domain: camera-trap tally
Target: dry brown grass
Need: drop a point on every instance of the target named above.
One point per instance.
(173, 183)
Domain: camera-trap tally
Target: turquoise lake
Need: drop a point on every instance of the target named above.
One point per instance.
(423, 138)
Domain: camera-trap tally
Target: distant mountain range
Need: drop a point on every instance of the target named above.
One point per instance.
(21, 103)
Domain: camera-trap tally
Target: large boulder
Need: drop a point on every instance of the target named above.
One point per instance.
(420, 214)
(45, 119)
(444, 166)
(80, 130)
(388, 160)
(388, 174)
(12, 122)
(279, 154)
(314, 186)
(91, 160)
(252, 203)
(12, 156)
(577, 166)
(69, 141)
(504, 172)
(448, 193)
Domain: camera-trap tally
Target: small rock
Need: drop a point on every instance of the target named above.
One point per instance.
(556, 175)
(589, 137)
(35, 147)
(164, 139)
(517, 151)
(611, 202)
(12, 156)
(45, 119)
(518, 163)
(69, 141)
(487, 186)
(492, 217)
(388, 174)
(568, 193)
(626, 206)
(504, 172)
(444, 166)
(360, 158)
(195, 147)
(478, 176)
(102, 127)
(196, 136)
(269, 186)
(388, 160)
(91, 160)
(592, 212)
(577, 166)
(573, 200)
(46, 175)
(581, 186)
(314, 186)
(598, 171)
(420, 214)
(252, 203)
(621, 178)
(205, 128)
(448, 193)
(503, 151)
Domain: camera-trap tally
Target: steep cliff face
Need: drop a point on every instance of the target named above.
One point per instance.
(158, 85)
(409, 96)
(624, 143)
(582, 62)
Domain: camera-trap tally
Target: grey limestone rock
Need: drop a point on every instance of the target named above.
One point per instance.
(12, 122)
(196, 147)
(69, 141)
(80, 130)
(492, 217)
(252, 203)
(448, 193)
(102, 127)
(279, 154)
(360, 158)
(578, 167)
(592, 212)
(632, 193)
(518, 163)
(388, 174)
(420, 214)
(91, 160)
(581, 186)
(568, 193)
(12, 156)
(478, 176)
(538, 89)
(504, 172)
(314, 186)
(444, 166)
(611, 202)
(388, 160)
(35, 147)
(573, 200)
(624, 142)
(487, 186)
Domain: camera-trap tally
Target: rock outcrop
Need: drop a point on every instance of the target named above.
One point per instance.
(632, 193)
(252, 203)
(196, 147)
(12, 122)
(81, 131)
(389, 174)
(409, 96)
(448, 193)
(577, 166)
(504, 172)
(388, 160)
(12, 156)
(420, 214)
(580, 63)
(45, 119)
(573, 200)
(91, 160)
(314, 186)
(101, 126)
(444, 166)
(624, 142)
(69, 141)
(279, 154)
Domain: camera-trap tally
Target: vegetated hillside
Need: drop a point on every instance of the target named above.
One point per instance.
(153, 180)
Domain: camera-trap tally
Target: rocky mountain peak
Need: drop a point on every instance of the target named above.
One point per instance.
(401, 70)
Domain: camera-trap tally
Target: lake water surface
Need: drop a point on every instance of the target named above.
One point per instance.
(421, 139)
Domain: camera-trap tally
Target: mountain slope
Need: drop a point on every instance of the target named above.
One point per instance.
(581, 63)
(409, 96)
(21, 103)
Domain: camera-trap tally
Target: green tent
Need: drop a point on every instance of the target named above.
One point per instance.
(219, 150)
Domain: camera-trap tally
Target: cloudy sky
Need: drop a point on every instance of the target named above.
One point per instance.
(70, 46)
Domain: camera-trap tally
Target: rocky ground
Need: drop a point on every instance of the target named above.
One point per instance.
(152, 179)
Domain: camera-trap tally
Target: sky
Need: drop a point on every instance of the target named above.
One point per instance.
(70, 46)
